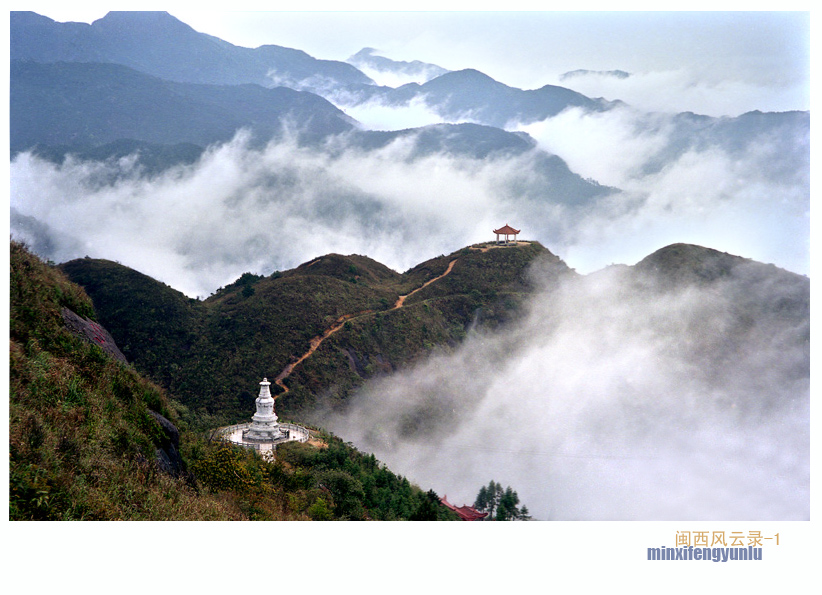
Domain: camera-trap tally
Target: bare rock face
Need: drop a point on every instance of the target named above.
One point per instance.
(93, 333)
(168, 457)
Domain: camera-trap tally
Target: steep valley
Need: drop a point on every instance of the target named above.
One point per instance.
(340, 309)
(593, 366)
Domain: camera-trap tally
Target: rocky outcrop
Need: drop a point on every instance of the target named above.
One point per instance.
(93, 333)
(168, 456)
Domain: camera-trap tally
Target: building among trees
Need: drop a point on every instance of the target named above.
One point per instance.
(466, 513)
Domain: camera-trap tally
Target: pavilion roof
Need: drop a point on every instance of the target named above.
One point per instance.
(507, 229)
(466, 513)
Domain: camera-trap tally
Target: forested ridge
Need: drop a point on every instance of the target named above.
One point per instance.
(211, 353)
(91, 439)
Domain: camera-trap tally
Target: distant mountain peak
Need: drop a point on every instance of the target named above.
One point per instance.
(143, 22)
(364, 53)
(139, 17)
(369, 59)
(467, 78)
(689, 263)
(132, 16)
(470, 74)
(28, 16)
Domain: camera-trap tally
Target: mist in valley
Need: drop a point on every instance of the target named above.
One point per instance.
(612, 399)
(241, 208)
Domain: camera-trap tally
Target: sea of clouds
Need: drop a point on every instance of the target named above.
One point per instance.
(200, 226)
(608, 403)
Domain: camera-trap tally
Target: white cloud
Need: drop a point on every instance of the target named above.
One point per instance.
(199, 227)
(395, 78)
(375, 115)
(606, 404)
(752, 201)
(676, 91)
(610, 147)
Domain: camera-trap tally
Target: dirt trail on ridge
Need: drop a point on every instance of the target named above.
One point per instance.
(315, 343)
(402, 298)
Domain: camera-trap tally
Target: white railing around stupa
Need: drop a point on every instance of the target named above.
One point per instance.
(234, 435)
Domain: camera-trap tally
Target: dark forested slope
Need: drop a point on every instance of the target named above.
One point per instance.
(211, 354)
(90, 439)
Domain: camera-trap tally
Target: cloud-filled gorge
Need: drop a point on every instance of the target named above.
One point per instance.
(616, 397)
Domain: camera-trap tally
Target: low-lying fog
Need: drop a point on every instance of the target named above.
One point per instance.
(198, 227)
(608, 404)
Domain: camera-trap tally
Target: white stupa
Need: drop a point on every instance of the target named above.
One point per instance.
(264, 426)
(264, 432)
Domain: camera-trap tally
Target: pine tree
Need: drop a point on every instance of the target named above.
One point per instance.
(481, 503)
(501, 505)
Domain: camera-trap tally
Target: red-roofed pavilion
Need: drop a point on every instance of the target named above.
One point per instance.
(466, 513)
(506, 230)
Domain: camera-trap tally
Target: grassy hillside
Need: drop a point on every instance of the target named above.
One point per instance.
(81, 435)
(91, 439)
(483, 288)
(212, 354)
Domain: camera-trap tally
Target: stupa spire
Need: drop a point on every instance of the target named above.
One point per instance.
(264, 426)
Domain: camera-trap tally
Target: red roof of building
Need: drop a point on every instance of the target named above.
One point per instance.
(506, 229)
(466, 513)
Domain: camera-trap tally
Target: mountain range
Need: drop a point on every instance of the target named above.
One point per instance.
(136, 84)
(471, 95)
(86, 105)
(58, 59)
(110, 125)
(100, 103)
(90, 438)
(158, 44)
(267, 322)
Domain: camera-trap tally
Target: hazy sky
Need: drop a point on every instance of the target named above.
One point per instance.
(717, 63)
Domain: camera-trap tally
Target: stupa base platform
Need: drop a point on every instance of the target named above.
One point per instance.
(237, 434)
(265, 436)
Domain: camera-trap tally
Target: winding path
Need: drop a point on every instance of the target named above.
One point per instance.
(402, 298)
(340, 322)
(313, 345)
